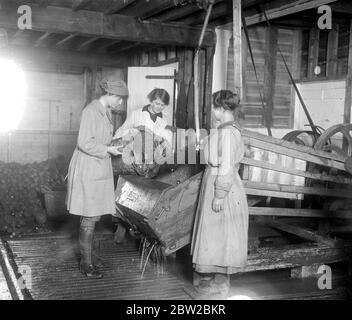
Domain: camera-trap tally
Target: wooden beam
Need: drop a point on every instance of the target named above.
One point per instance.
(295, 23)
(344, 7)
(61, 44)
(300, 232)
(17, 35)
(42, 39)
(30, 56)
(144, 9)
(269, 258)
(96, 24)
(302, 213)
(42, 3)
(108, 44)
(86, 43)
(300, 173)
(348, 94)
(332, 51)
(118, 5)
(282, 9)
(313, 51)
(275, 187)
(293, 150)
(219, 10)
(80, 4)
(177, 13)
(237, 47)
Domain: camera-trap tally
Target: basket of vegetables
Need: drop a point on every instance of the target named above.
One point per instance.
(22, 203)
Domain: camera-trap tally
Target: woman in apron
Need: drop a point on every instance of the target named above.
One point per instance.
(90, 190)
(219, 243)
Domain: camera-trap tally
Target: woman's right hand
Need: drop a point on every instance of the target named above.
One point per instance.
(114, 150)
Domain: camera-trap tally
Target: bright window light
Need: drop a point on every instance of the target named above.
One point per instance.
(13, 90)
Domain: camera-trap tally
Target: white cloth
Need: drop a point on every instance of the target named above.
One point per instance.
(142, 118)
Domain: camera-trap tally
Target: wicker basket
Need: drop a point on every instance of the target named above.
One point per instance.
(55, 202)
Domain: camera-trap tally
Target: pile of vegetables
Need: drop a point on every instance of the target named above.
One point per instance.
(21, 198)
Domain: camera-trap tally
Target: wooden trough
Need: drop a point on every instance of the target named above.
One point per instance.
(307, 183)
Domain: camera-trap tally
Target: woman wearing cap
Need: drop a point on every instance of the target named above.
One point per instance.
(219, 243)
(90, 190)
(152, 118)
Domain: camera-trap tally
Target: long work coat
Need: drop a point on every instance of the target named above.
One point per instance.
(219, 243)
(90, 190)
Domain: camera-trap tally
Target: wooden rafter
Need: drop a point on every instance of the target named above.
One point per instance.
(221, 9)
(109, 44)
(118, 5)
(84, 45)
(42, 39)
(80, 4)
(282, 8)
(62, 43)
(143, 9)
(301, 232)
(344, 7)
(177, 13)
(96, 24)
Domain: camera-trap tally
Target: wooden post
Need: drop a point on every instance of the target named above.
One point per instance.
(270, 71)
(237, 47)
(333, 38)
(313, 54)
(348, 95)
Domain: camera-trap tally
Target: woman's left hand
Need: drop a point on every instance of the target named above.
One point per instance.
(218, 204)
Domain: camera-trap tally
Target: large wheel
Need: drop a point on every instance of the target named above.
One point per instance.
(301, 137)
(337, 139)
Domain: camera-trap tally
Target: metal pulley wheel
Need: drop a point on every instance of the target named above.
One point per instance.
(337, 139)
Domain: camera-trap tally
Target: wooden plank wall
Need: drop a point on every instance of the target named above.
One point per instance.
(332, 48)
(282, 116)
(51, 119)
(342, 52)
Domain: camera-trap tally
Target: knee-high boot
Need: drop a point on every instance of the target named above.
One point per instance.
(86, 235)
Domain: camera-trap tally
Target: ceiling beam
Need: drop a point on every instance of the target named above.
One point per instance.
(30, 56)
(296, 23)
(148, 8)
(119, 27)
(118, 5)
(281, 8)
(80, 4)
(42, 3)
(177, 13)
(61, 44)
(342, 7)
(108, 44)
(84, 45)
(42, 39)
(221, 9)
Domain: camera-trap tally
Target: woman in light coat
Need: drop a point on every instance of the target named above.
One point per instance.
(90, 191)
(220, 235)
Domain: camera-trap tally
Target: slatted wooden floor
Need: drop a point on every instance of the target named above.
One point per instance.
(53, 263)
(54, 272)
